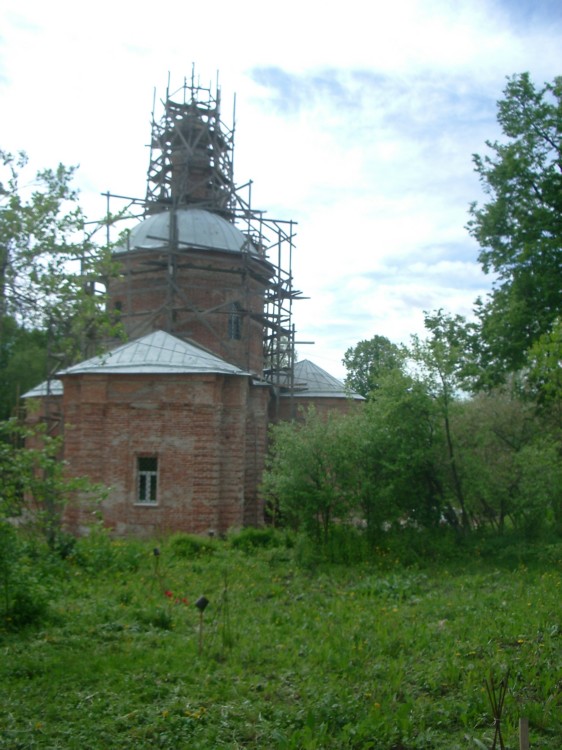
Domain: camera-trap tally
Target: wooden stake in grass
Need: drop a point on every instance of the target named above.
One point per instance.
(156, 553)
(496, 696)
(523, 733)
(201, 605)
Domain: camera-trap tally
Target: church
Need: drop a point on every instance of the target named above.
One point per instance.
(174, 422)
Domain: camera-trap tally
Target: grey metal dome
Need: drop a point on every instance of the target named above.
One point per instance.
(196, 229)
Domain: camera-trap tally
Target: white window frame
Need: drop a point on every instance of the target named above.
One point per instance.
(146, 484)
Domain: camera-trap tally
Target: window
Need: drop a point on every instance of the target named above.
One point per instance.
(235, 322)
(147, 473)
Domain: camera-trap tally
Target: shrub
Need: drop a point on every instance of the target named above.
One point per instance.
(22, 600)
(26, 607)
(97, 552)
(251, 538)
(186, 546)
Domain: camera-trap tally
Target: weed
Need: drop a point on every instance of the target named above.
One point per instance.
(369, 656)
(187, 546)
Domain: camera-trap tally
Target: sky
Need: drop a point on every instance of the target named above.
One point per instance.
(357, 120)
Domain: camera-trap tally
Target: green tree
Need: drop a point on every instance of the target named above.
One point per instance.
(369, 361)
(404, 443)
(52, 302)
(308, 475)
(519, 228)
(490, 431)
(34, 484)
(23, 363)
(442, 361)
(51, 270)
(544, 368)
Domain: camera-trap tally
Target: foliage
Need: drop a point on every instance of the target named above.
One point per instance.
(492, 429)
(35, 487)
(23, 363)
(520, 227)
(421, 453)
(311, 473)
(97, 553)
(403, 427)
(369, 361)
(544, 364)
(52, 275)
(23, 601)
(370, 469)
(374, 655)
(186, 546)
(441, 359)
(250, 538)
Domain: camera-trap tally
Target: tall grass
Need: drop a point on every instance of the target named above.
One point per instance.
(384, 653)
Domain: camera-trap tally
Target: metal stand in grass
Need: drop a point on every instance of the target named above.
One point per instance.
(496, 696)
(201, 605)
(157, 572)
(222, 612)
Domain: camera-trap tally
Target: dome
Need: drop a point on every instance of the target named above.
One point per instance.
(197, 229)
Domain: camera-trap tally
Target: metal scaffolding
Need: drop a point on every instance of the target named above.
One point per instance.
(191, 166)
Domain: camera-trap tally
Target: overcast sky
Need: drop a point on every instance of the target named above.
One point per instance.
(356, 119)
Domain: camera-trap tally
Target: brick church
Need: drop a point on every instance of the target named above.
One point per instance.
(174, 422)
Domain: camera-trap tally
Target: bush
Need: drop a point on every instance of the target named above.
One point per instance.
(157, 617)
(251, 538)
(187, 546)
(97, 552)
(26, 607)
(22, 600)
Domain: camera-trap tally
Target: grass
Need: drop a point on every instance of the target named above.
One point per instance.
(378, 655)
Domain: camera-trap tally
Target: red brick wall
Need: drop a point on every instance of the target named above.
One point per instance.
(207, 432)
(197, 305)
(294, 408)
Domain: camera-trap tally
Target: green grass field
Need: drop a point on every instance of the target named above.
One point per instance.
(378, 655)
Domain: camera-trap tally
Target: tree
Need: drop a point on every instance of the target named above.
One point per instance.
(35, 487)
(51, 271)
(369, 361)
(404, 442)
(490, 431)
(23, 363)
(519, 228)
(545, 368)
(309, 469)
(52, 302)
(442, 358)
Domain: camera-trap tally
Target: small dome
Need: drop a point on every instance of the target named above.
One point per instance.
(196, 229)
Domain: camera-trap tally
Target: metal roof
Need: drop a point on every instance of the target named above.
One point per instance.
(156, 353)
(312, 381)
(47, 388)
(195, 229)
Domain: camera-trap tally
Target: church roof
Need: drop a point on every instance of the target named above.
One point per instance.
(196, 228)
(46, 388)
(156, 353)
(312, 381)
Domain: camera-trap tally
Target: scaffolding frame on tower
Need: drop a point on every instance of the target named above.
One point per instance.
(191, 165)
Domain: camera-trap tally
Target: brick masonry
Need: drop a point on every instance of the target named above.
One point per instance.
(207, 432)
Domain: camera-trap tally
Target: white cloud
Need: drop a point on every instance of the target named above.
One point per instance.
(359, 125)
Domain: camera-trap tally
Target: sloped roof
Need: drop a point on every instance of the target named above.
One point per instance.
(156, 353)
(312, 381)
(195, 228)
(46, 388)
